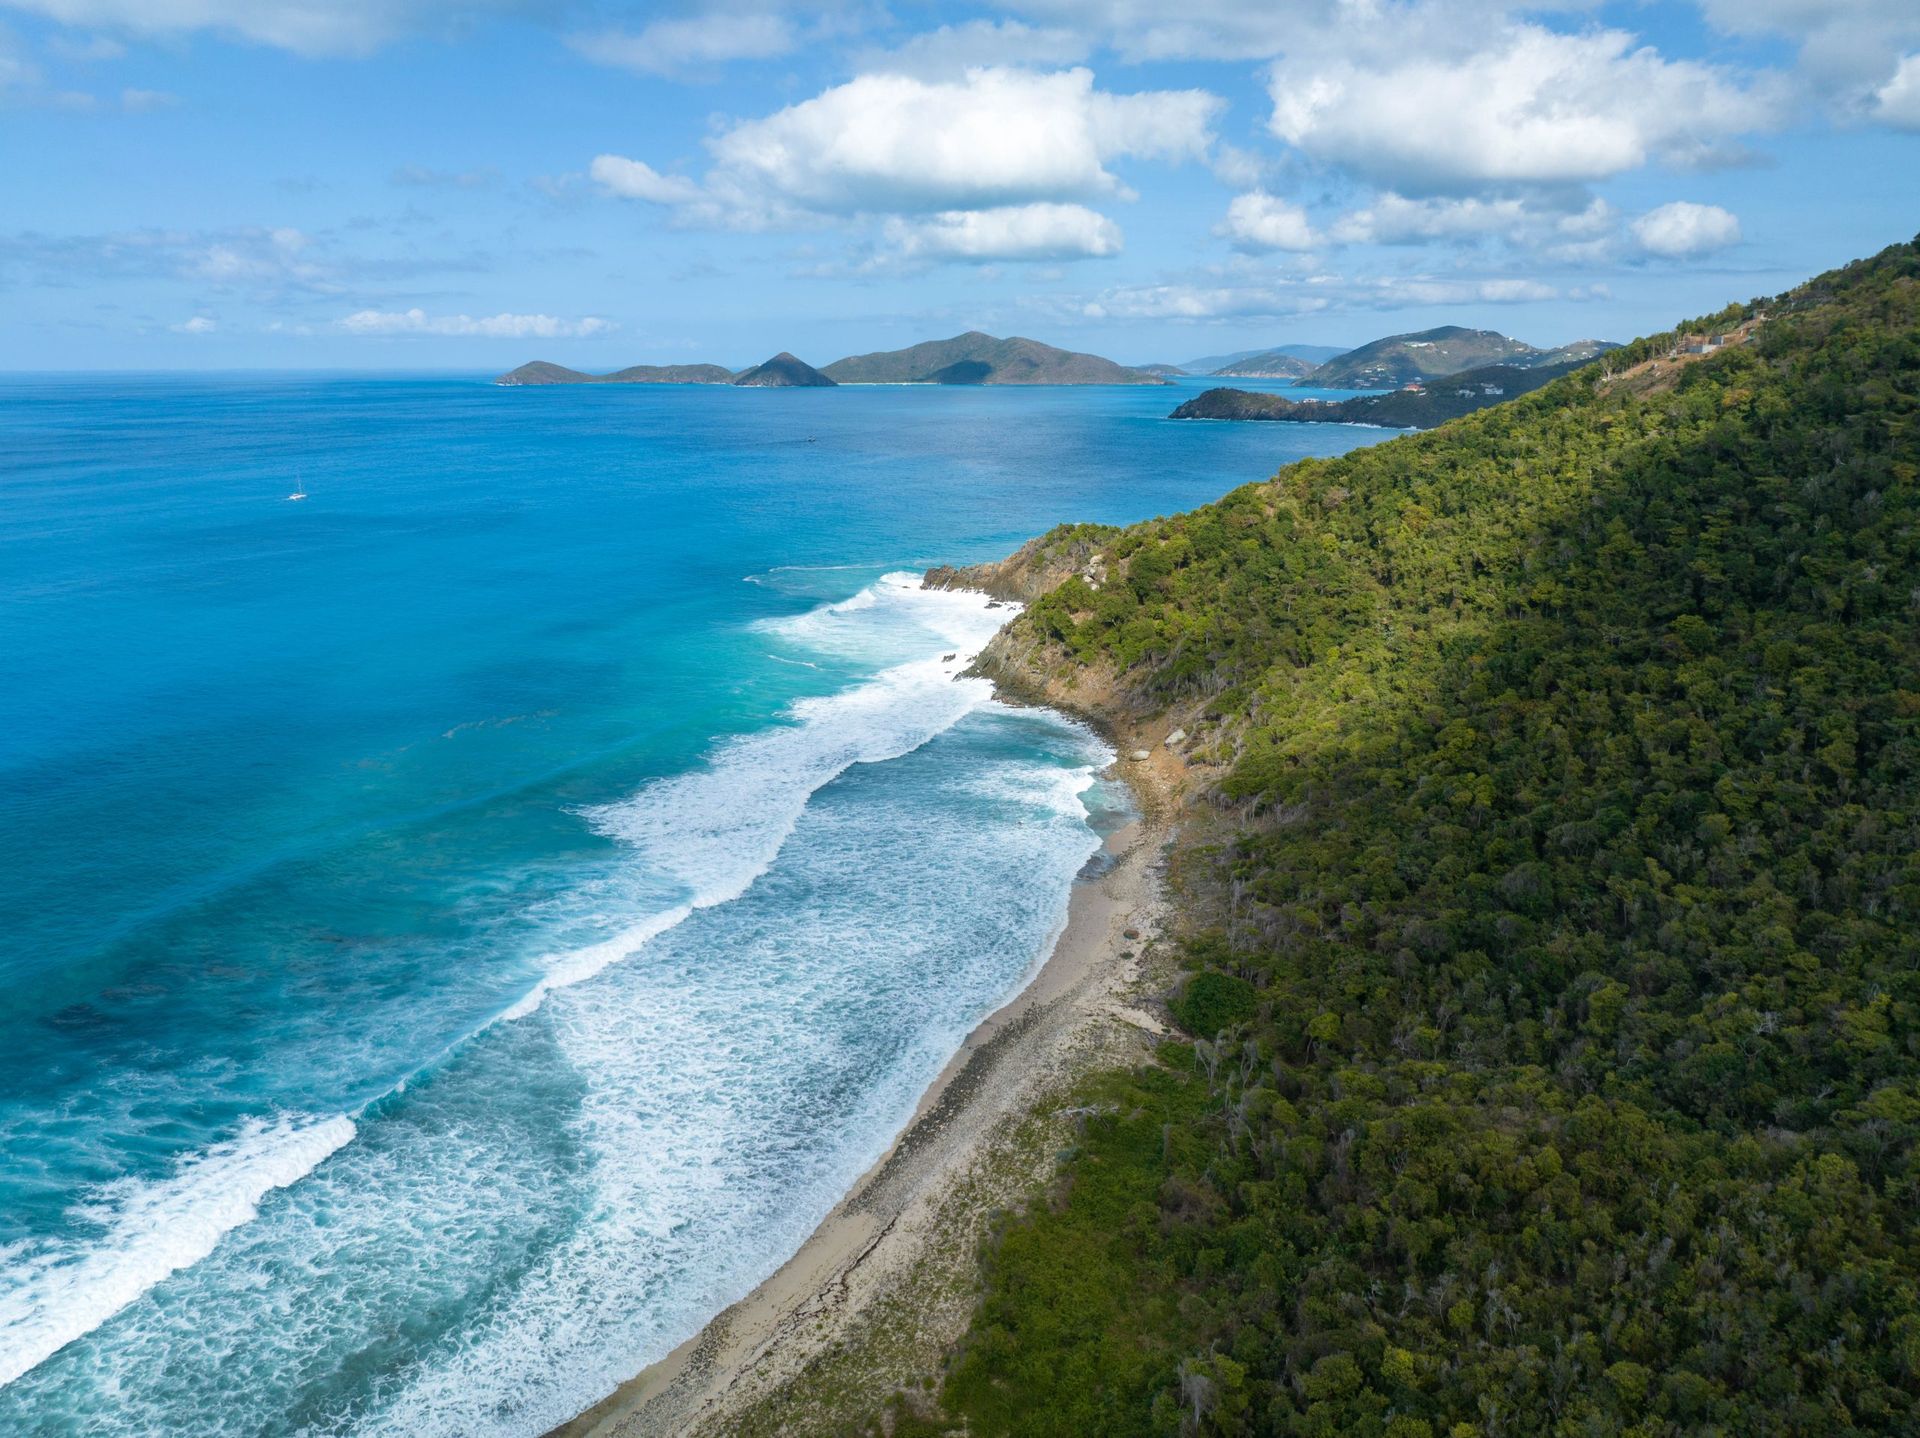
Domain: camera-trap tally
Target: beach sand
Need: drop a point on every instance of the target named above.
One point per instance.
(872, 1302)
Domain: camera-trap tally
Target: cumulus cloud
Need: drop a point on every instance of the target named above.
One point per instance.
(993, 164)
(502, 326)
(1529, 222)
(1683, 230)
(1259, 221)
(307, 27)
(198, 325)
(668, 46)
(1850, 51)
(995, 137)
(1898, 101)
(1011, 232)
(1520, 104)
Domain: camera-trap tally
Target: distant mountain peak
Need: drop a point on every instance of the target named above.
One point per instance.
(980, 358)
(784, 371)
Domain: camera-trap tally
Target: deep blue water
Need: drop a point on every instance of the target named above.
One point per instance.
(460, 930)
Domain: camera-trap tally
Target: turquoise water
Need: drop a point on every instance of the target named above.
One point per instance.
(461, 930)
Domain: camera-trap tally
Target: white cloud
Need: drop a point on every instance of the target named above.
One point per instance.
(1259, 221)
(198, 325)
(1013, 232)
(952, 50)
(261, 259)
(307, 27)
(1683, 229)
(1897, 102)
(1851, 51)
(637, 180)
(668, 46)
(1277, 296)
(1516, 104)
(502, 326)
(898, 144)
(1200, 302)
(140, 102)
(992, 165)
(1532, 222)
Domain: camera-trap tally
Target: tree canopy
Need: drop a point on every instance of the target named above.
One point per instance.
(1552, 1061)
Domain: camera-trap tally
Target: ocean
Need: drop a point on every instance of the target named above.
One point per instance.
(462, 929)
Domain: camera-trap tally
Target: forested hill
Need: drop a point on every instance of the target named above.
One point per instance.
(1554, 996)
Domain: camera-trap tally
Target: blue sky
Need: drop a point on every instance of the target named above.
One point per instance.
(417, 184)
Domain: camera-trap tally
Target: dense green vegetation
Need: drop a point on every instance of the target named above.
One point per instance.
(1554, 1008)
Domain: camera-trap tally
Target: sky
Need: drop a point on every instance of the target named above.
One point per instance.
(468, 184)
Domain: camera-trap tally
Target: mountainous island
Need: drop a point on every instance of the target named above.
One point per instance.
(976, 358)
(541, 372)
(1407, 408)
(783, 371)
(1539, 1048)
(1270, 364)
(1222, 363)
(1400, 359)
(971, 358)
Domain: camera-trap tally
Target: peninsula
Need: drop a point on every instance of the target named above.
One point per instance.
(1416, 406)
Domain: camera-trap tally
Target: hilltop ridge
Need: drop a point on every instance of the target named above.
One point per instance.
(978, 358)
(1548, 1024)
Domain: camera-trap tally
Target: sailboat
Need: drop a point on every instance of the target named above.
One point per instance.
(299, 489)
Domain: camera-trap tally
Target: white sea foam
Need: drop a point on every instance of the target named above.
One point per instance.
(709, 835)
(56, 1293)
(715, 830)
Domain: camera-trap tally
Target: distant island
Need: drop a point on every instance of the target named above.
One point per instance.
(976, 358)
(1270, 364)
(783, 371)
(1417, 406)
(541, 372)
(1221, 363)
(1450, 349)
(972, 358)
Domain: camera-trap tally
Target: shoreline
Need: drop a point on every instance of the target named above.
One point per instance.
(870, 1302)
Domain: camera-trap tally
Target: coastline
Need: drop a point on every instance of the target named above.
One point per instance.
(872, 1300)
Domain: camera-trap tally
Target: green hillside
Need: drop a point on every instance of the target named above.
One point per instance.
(1553, 993)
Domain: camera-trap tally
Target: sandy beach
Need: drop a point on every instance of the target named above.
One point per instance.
(871, 1302)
